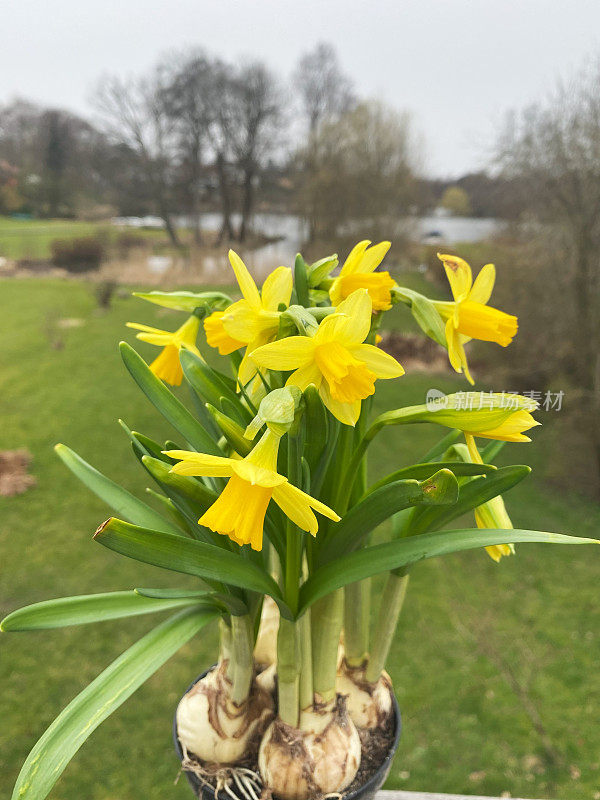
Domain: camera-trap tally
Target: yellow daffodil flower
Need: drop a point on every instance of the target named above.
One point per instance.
(492, 514)
(335, 359)
(493, 415)
(217, 336)
(239, 512)
(253, 320)
(358, 272)
(469, 316)
(167, 365)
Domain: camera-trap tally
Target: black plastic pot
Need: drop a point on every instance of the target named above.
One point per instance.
(365, 792)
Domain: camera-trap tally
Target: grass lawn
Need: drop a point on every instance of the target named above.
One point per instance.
(24, 238)
(495, 666)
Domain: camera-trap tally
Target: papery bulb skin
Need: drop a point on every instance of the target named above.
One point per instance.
(370, 705)
(265, 649)
(320, 759)
(214, 728)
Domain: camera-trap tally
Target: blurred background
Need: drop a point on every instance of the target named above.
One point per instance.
(138, 142)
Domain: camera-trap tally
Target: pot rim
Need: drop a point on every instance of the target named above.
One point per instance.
(375, 781)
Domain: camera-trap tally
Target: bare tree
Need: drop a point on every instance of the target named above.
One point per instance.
(136, 114)
(256, 111)
(326, 94)
(324, 90)
(364, 171)
(553, 149)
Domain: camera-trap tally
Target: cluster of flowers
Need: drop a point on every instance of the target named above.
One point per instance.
(338, 356)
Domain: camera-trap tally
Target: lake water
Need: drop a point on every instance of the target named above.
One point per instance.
(290, 232)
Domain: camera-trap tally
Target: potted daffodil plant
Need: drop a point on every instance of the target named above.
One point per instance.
(266, 500)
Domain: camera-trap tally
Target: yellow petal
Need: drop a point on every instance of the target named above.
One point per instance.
(373, 257)
(277, 289)
(295, 507)
(378, 361)
(200, 464)
(459, 275)
(244, 323)
(354, 257)
(245, 281)
(348, 413)
(257, 475)
(159, 339)
(285, 354)
(167, 366)
(138, 326)
(217, 336)
(351, 322)
(483, 285)
(304, 376)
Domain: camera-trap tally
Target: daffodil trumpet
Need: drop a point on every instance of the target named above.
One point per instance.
(267, 504)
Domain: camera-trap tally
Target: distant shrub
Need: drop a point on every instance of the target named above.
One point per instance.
(126, 241)
(104, 292)
(78, 255)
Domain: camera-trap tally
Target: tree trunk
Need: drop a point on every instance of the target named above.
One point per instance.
(247, 203)
(170, 227)
(226, 233)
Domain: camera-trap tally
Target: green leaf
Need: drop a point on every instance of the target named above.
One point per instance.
(96, 702)
(230, 429)
(83, 609)
(187, 556)
(383, 503)
(231, 604)
(315, 426)
(422, 471)
(472, 494)
(118, 499)
(170, 594)
(187, 301)
(182, 484)
(168, 405)
(320, 270)
(301, 280)
(207, 382)
(401, 552)
(425, 313)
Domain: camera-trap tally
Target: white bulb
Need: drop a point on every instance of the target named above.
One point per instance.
(214, 728)
(369, 704)
(322, 758)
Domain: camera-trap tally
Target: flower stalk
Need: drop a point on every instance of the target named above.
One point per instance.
(392, 601)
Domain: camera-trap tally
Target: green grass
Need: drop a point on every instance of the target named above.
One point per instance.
(23, 238)
(495, 666)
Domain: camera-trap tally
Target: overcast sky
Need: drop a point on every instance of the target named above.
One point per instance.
(457, 65)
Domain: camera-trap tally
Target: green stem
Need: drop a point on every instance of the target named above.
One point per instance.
(306, 670)
(357, 615)
(224, 641)
(389, 612)
(327, 617)
(288, 672)
(242, 640)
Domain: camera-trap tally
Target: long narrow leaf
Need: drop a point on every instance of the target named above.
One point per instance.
(207, 383)
(83, 609)
(96, 702)
(399, 553)
(118, 499)
(421, 471)
(472, 494)
(382, 504)
(166, 402)
(185, 555)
